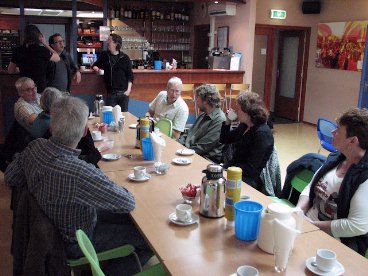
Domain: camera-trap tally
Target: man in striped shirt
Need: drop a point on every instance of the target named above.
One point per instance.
(75, 194)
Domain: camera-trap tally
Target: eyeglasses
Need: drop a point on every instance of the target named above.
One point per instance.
(30, 89)
(60, 41)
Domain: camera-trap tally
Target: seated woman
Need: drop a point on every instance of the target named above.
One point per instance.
(41, 124)
(335, 200)
(252, 141)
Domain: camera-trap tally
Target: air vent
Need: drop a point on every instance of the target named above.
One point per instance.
(51, 12)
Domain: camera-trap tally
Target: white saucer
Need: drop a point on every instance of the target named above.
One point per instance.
(182, 161)
(111, 156)
(174, 219)
(131, 177)
(98, 140)
(133, 126)
(337, 270)
(185, 152)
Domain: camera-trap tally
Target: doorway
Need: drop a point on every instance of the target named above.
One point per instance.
(280, 68)
(201, 44)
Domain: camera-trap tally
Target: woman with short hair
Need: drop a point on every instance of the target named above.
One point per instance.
(252, 141)
(335, 200)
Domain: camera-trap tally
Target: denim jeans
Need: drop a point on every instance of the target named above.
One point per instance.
(111, 231)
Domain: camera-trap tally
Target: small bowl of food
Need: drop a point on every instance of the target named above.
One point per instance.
(190, 193)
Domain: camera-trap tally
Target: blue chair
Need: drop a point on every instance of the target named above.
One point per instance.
(324, 132)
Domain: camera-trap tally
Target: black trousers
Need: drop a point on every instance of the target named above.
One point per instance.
(117, 97)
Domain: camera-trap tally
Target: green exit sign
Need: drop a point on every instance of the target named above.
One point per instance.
(278, 14)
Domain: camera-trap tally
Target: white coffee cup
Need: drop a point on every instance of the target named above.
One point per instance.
(246, 270)
(231, 114)
(183, 212)
(101, 72)
(139, 172)
(325, 259)
(96, 135)
(83, 67)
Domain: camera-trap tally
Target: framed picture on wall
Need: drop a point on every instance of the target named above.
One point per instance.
(223, 37)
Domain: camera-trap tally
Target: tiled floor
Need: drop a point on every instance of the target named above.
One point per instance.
(292, 141)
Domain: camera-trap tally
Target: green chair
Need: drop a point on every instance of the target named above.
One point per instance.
(165, 126)
(299, 182)
(93, 258)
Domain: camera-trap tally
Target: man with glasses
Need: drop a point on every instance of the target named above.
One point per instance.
(60, 74)
(169, 104)
(28, 106)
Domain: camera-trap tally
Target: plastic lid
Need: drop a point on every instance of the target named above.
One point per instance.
(278, 208)
(107, 108)
(234, 173)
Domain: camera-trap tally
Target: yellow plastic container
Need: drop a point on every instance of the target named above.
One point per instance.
(233, 191)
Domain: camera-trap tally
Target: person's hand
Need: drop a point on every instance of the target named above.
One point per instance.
(77, 77)
(127, 93)
(96, 69)
(42, 39)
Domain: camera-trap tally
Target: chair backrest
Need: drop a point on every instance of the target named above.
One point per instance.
(239, 86)
(187, 92)
(89, 251)
(221, 87)
(301, 180)
(187, 87)
(165, 126)
(324, 130)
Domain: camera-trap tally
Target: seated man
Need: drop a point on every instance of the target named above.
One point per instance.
(75, 194)
(168, 104)
(204, 135)
(28, 106)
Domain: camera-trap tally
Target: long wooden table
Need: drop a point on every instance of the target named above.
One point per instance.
(209, 247)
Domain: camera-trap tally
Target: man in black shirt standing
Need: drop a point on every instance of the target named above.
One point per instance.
(118, 72)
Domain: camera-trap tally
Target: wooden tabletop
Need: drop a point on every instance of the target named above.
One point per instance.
(208, 247)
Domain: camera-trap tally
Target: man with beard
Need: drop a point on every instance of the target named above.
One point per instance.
(204, 135)
(60, 74)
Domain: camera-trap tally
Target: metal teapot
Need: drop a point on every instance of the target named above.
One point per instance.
(212, 200)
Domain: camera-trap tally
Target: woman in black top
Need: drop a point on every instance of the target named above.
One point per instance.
(118, 73)
(252, 141)
(32, 58)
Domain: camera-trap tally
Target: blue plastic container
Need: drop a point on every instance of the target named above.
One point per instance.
(107, 117)
(157, 64)
(247, 219)
(147, 149)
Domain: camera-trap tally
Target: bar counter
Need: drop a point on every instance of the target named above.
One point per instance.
(147, 84)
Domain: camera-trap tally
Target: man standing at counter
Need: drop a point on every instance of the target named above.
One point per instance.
(118, 74)
(59, 74)
(169, 104)
(204, 135)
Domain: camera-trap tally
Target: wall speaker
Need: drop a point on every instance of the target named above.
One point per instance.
(311, 7)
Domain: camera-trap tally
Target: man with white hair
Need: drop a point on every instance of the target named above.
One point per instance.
(27, 108)
(75, 194)
(169, 104)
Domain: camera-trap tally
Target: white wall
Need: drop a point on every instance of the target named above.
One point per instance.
(241, 31)
(329, 91)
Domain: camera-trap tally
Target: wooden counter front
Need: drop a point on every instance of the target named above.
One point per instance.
(147, 83)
